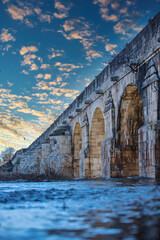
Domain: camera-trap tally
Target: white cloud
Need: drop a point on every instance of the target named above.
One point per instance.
(80, 30)
(28, 59)
(67, 67)
(37, 10)
(25, 72)
(55, 53)
(39, 75)
(6, 36)
(33, 67)
(92, 54)
(10, 84)
(19, 13)
(47, 76)
(45, 18)
(25, 50)
(104, 10)
(45, 66)
(41, 96)
(110, 46)
(62, 10)
(126, 27)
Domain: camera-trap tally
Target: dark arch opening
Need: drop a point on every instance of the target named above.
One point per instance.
(130, 119)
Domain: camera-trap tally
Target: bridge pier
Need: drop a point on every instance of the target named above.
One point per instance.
(85, 169)
(108, 145)
(149, 150)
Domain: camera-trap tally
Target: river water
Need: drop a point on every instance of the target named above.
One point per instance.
(112, 209)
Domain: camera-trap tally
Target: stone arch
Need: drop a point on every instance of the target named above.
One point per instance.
(130, 119)
(97, 135)
(77, 146)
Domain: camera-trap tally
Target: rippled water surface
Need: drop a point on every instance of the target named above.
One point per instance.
(126, 209)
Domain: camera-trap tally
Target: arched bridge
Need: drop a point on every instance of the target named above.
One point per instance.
(112, 129)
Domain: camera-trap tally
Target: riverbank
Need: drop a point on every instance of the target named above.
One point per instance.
(31, 177)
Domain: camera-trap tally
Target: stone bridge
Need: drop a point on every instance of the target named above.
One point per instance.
(112, 129)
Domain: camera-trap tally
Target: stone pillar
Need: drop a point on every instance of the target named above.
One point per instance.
(44, 165)
(108, 145)
(60, 159)
(149, 133)
(149, 150)
(84, 164)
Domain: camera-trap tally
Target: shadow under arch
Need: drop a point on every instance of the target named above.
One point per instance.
(97, 135)
(130, 119)
(77, 146)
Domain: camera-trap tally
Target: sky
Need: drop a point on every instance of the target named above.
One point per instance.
(50, 50)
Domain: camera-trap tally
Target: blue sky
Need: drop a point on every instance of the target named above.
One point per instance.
(51, 50)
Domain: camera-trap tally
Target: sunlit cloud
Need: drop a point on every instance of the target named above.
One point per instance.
(62, 10)
(126, 27)
(41, 96)
(115, 5)
(39, 75)
(5, 36)
(47, 76)
(29, 49)
(55, 53)
(45, 18)
(25, 72)
(104, 10)
(28, 59)
(45, 66)
(33, 67)
(67, 67)
(10, 84)
(110, 48)
(91, 54)
(19, 13)
(78, 29)
(86, 81)
(37, 10)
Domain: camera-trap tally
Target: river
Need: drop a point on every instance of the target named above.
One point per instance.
(114, 209)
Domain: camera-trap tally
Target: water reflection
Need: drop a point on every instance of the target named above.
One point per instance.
(112, 209)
